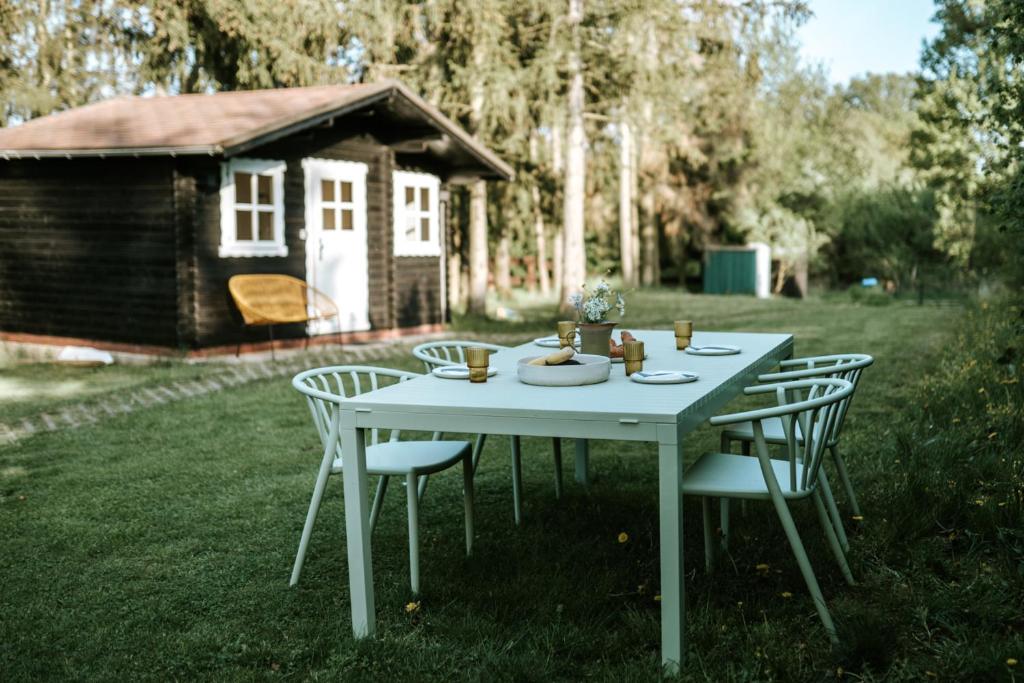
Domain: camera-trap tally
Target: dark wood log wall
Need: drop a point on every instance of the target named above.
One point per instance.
(87, 249)
(394, 283)
(126, 249)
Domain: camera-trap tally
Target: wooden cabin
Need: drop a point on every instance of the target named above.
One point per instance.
(122, 221)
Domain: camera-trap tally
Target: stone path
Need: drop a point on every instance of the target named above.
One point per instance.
(220, 377)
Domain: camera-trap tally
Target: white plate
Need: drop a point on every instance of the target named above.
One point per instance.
(664, 377)
(712, 350)
(552, 342)
(458, 372)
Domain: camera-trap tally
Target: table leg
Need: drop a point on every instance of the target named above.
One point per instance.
(582, 462)
(357, 525)
(670, 497)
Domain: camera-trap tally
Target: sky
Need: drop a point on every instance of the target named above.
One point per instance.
(851, 37)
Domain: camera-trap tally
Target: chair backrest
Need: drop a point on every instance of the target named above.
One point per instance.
(448, 352)
(813, 404)
(846, 366)
(275, 299)
(326, 388)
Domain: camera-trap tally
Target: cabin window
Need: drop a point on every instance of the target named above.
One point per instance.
(252, 208)
(417, 214)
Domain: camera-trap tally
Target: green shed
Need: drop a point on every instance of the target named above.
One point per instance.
(738, 270)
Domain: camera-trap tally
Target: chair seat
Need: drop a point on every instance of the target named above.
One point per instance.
(403, 457)
(727, 475)
(773, 431)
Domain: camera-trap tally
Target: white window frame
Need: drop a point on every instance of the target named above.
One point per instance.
(401, 180)
(230, 246)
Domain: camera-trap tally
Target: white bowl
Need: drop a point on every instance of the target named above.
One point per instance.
(591, 370)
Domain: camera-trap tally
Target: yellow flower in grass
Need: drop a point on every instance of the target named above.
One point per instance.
(1011, 662)
(857, 518)
(786, 594)
(412, 607)
(623, 537)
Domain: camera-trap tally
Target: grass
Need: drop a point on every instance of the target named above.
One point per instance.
(157, 545)
(27, 389)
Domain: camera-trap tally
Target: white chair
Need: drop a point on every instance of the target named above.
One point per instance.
(846, 366)
(453, 352)
(813, 404)
(325, 390)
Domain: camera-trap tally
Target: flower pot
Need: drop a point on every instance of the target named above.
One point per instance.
(594, 337)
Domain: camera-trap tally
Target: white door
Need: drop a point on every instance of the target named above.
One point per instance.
(336, 262)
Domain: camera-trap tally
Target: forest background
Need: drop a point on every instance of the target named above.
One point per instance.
(641, 131)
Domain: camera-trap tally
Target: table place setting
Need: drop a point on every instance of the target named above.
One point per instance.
(713, 350)
(458, 372)
(664, 377)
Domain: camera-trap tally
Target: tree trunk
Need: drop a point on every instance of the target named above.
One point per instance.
(455, 299)
(574, 270)
(539, 229)
(649, 273)
(478, 248)
(503, 266)
(477, 205)
(626, 205)
(635, 223)
(557, 261)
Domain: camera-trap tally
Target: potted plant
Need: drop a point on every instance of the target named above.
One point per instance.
(592, 305)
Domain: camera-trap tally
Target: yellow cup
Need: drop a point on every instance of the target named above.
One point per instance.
(684, 332)
(477, 358)
(566, 333)
(633, 356)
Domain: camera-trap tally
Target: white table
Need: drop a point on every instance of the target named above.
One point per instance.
(617, 409)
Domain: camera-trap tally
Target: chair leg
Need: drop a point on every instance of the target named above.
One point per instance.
(743, 501)
(517, 480)
(378, 501)
(414, 532)
(467, 499)
(423, 486)
(833, 510)
(805, 566)
(709, 535)
(556, 452)
(833, 540)
(478, 448)
(723, 512)
(726, 444)
(844, 477)
(314, 508)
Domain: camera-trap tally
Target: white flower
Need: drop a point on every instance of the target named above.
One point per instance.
(576, 301)
(620, 304)
(602, 288)
(594, 309)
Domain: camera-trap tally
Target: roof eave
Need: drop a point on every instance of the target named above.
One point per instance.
(475, 147)
(192, 150)
(386, 89)
(280, 129)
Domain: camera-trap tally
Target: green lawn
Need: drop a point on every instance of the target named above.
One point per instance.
(158, 545)
(27, 389)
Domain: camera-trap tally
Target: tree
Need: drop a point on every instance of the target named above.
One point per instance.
(574, 270)
(969, 144)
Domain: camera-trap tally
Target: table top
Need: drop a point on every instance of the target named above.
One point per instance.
(618, 399)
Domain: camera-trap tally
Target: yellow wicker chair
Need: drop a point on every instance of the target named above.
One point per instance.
(278, 299)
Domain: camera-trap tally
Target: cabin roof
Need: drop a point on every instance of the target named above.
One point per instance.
(231, 123)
